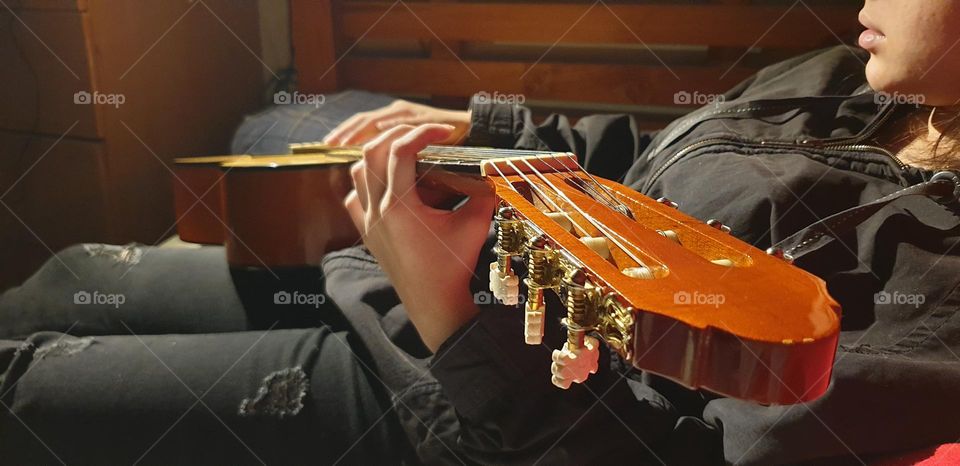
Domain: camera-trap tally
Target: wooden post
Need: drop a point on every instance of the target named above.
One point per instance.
(449, 52)
(314, 39)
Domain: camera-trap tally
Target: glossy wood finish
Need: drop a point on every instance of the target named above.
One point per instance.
(286, 211)
(771, 340)
(197, 201)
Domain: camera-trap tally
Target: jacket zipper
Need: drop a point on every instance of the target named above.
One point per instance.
(855, 145)
(869, 149)
(851, 145)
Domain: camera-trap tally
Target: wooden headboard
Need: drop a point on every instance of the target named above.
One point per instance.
(654, 59)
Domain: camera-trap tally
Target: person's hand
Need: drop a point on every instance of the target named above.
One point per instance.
(429, 254)
(365, 126)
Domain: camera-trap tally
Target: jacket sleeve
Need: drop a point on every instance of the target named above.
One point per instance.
(875, 404)
(510, 413)
(606, 145)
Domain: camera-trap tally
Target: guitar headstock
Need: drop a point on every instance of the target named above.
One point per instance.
(669, 293)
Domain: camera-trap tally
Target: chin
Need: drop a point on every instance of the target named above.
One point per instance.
(879, 77)
(892, 80)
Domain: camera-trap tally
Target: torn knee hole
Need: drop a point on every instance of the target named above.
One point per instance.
(128, 254)
(66, 346)
(280, 395)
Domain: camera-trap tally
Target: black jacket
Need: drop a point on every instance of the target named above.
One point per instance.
(783, 150)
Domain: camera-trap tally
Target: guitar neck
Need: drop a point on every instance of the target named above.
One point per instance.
(471, 161)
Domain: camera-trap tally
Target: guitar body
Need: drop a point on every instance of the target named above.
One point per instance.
(197, 199)
(286, 211)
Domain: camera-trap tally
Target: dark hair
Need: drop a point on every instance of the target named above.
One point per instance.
(944, 154)
(948, 159)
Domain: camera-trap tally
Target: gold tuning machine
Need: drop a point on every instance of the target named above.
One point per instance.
(616, 326)
(544, 273)
(504, 283)
(581, 352)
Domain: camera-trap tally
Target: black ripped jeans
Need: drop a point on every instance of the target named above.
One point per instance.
(133, 355)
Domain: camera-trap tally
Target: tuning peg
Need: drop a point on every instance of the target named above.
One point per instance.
(562, 219)
(573, 364)
(718, 225)
(670, 235)
(579, 355)
(532, 324)
(780, 254)
(542, 276)
(599, 245)
(668, 202)
(504, 285)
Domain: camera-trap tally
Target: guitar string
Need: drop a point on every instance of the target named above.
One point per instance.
(546, 160)
(484, 154)
(604, 192)
(539, 155)
(599, 225)
(543, 197)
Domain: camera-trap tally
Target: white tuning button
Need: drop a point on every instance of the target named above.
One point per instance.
(495, 280)
(532, 324)
(575, 365)
(505, 287)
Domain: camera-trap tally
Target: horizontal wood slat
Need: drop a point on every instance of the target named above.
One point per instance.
(718, 25)
(622, 84)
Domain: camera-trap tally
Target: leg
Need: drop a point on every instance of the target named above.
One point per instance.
(278, 397)
(98, 289)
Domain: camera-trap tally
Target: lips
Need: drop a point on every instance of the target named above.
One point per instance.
(872, 37)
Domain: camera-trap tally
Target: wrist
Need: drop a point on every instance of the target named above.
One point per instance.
(438, 318)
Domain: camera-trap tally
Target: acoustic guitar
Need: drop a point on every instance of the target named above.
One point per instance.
(668, 293)
(268, 211)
